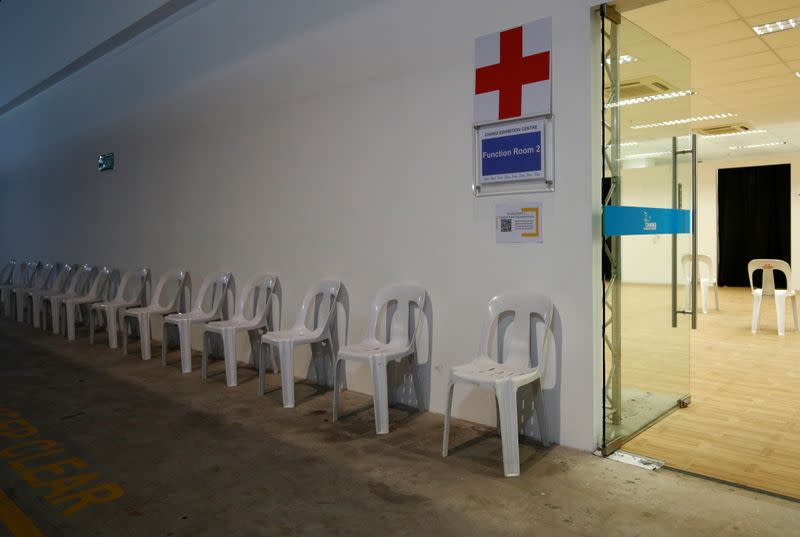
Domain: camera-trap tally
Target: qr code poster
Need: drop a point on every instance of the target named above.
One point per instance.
(518, 222)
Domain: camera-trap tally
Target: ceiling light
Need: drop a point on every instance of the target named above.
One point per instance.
(624, 58)
(646, 155)
(777, 26)
(755, 146)
(756, 131)
(797, 74)
(628, 144)
(651, 98)
(682, 121)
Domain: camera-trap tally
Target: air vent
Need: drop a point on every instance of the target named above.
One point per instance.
(722, 129)
(644, 87)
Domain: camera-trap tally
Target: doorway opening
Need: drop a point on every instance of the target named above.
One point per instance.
(701, 114)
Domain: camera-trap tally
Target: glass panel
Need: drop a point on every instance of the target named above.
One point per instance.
(647, 366)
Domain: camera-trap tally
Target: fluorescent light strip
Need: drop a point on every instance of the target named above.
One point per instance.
(682, 121)
(624, 58)
(756, 146)
(740, 133)
(645, 155)
(777, 26)
(651, 98)
(628, 144)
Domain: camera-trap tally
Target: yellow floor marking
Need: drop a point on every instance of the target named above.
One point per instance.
(15, 520)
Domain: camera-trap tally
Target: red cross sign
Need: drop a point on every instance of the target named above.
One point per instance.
(512, 73)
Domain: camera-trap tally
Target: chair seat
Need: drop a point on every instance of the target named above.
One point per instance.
(233, 324)
(76, 300)
(152, 310)
(297, 335)
(487, 371)
(192, 316)
(783, 292)
(115, 304)
(367, 350)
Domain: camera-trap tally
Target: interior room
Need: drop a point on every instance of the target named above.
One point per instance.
(741, 79)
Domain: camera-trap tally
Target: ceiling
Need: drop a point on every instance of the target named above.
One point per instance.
(39, 38)
(709, 46)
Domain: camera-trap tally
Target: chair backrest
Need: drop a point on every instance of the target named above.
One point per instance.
(82, 280)
(323, 293)
(514, 347)
(158, 298)
(61, 277)
(7, 272)
(705, 268)
(768, 267)
(217, 284)
(402, 322)
(102, 283)
(45, 275)
(259, 291)
(30, 271)
(133, 286)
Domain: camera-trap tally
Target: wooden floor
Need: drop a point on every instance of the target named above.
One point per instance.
(743, 424)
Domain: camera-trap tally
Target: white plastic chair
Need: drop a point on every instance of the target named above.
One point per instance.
(160, 304)
(218, 284)
(504, 365)
(401, 343)
(101, 290)
(768, 266)
(7, 274)
(705, 277)
(56, 284)
(325, 292)
(37, 278)
(77, 286)
(25, 280)
(131, 292)
(260, 291)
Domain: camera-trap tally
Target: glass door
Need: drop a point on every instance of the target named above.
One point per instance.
(647, 190)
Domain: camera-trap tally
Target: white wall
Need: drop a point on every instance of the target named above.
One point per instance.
(317, 140)
(707, 242)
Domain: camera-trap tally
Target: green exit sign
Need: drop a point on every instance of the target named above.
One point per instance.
(105, 162)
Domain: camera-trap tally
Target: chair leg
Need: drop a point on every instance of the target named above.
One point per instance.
(20, 308)
(229, 346)
(164, 340)
(91, 325)
(204, 360)
(412, 364)
(185, 335)
(71, 321)
(380, 399)
(336, 388)
(111, 328)
(541, 413)
(756, 312)
(36, 306)
(780, 310)
(794, 313)
(285, 355)
(704, 295)
(262, 366)
(144, 335)
(124, 328)
(716, 295)
(506, 394)
(448, 409)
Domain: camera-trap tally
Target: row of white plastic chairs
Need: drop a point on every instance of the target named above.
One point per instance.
(36, 292)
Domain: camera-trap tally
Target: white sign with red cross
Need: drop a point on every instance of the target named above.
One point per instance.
(512, 73)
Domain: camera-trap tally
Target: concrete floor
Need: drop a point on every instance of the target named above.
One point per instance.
(198, 459)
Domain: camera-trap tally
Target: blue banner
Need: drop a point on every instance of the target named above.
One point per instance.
(623, 220)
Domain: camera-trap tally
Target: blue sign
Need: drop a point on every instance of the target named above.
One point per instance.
(511, 152)
(623, 220)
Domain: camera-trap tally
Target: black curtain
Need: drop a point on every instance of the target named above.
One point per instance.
(753, 220)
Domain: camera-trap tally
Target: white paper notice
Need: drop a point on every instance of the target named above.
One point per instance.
(518, 222)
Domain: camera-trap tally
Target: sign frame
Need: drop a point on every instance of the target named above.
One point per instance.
(546, 183)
